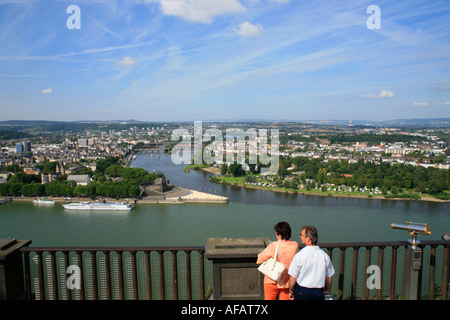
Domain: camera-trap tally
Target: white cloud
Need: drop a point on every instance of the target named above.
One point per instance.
(47, 91)
(386, 94)
(382, 95)
(445, 102)
(420, 104)
(126, 62)
(247, 29)
(199, 10)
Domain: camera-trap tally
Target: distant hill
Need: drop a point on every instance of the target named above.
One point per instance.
(431, 122)
(11, 134)
(92, 125)
(74, 126)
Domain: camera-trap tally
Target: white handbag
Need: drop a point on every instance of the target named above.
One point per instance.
(272, 268)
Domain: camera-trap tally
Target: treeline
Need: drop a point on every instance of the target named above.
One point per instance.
(353, 138)
(10, 134)
(368, 174)
(373, 138)
(75, 127)
(110, 180)
(236, 169)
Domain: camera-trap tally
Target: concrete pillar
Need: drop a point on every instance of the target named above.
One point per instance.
(11, 269)
(235, 272)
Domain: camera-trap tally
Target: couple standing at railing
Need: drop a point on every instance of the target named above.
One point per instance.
(306, 274)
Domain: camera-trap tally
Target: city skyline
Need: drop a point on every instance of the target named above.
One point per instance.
(179, 60)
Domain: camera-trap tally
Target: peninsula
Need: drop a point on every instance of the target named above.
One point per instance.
(329, 190)
(161, 191)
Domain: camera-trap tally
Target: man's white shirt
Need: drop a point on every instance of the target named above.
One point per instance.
(311, 265)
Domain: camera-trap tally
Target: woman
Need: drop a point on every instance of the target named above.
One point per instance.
(286, 252)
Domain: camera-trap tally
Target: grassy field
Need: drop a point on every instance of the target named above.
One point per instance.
(196, 167)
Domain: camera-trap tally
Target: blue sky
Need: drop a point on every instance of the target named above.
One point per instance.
(186, 60)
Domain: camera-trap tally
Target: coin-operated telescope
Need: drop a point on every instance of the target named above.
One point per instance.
(414, 229)
(413, 255)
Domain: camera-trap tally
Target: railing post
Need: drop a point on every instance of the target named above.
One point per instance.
(161, 275)
(367, 264)
(202, 275)
(188, 274)
(12, 286)
(341, 273)
(446, 269)
(393, 270)
(148, 272)
(380, 264)
(175, 274)
(354, 271)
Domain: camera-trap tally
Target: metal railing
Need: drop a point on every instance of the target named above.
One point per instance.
(161, 273)
(183, 273)
(351, 261)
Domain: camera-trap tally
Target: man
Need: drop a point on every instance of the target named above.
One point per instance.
(311, 269)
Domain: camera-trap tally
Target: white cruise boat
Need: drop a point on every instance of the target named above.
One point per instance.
(44, 201)
(98, 206)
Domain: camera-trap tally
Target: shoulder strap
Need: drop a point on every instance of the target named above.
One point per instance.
(276, 252)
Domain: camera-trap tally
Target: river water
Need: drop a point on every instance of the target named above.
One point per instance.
(249, 213)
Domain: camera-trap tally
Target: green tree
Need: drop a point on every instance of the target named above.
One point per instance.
(102, 164)
(38, 189)
(79, 191)
(236, 170)
(14, 188)
(4, 189)
(27, 190)
(223, 169)
(322, 175)
(134, 191)
(250, 178)
(114, 171)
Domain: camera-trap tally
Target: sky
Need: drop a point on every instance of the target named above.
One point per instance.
(211, 60)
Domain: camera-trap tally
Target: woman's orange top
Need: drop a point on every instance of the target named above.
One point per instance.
(286, 252)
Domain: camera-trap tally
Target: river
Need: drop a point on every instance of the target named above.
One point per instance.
(249, 213)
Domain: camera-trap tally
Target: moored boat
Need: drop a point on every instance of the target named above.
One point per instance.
(44, 201)
(98, 206)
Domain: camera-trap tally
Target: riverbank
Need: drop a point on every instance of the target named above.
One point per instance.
(237, 182)
(72, 199)
(207, 168)
(188, 196)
